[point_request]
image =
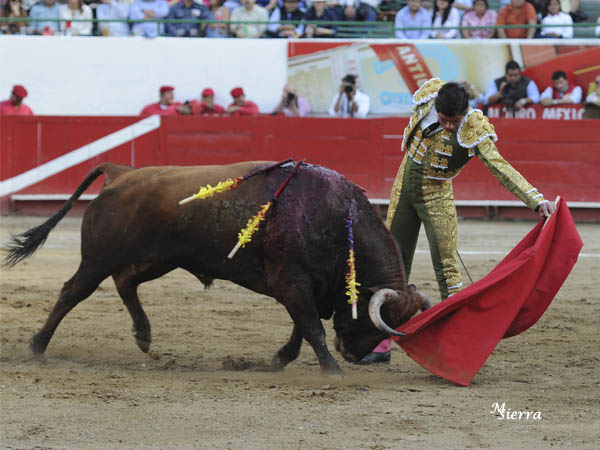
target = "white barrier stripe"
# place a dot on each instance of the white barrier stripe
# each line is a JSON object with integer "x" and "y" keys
{"x": 79, "y": 155}
{"x": 494, "y": 252}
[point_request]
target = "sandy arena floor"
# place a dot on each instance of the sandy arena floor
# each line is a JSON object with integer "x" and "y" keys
{"x": 202, "y": 386}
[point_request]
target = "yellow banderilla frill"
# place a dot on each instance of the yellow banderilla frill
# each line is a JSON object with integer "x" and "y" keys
{"x": 352, "y": 284}
{"x": 245, "y": 236}
{"x": 209, "y": 191}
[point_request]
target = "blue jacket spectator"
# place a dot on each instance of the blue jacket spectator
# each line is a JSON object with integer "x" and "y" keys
{"x": 188, "y": 9}
{"x": 290, "y": 11}
{"x": 113, "y": 9}
{"x": 48, "y": 9}
{"x": 412, "y": 15}
{"x": 148, "y": 9}
{"x": 319, "y": 11}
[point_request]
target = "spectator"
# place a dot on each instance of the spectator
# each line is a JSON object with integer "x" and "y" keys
{"x": 291, "y": 104}
{"x": 14, "y": 106}
{"x": 47, "y": 9}
{"x": 518, "y": 12}
{"x": 113, "y": 9}
{"x": 166, "y": 105}
{"x": 513, "y": 90}
{"x": 360, "y": 10}
{"x": 592, "y": 102}
{"x": 289, "y": 11}
{"x": 555, "y": 16}
{"x": 573, "y": 8}
{"x": 148, "y": 10}
{"x": 412, "y": 15}
{"x": 320, "y": 12}
{"x": 75, "y": 9}
{"x": 207, "y": 107}
{"x": 241, "y": 106}
{"x": 219, "y": 12}
{"x": 269, "y": 5}
{"x": 13, "y": 9}
{"x": 249, "y": 12}
{"x": 445, "y": 15}
{"x": 349, "y": 101}
{"x": 562, "y": 92}
{"x": 480, "y": 16}
{"x": 188, "y": 10}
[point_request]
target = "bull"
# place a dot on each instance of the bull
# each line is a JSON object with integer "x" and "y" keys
{"x": 135, "y": 231}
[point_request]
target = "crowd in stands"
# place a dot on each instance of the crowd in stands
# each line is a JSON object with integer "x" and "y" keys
{"x": 413, "y": 19}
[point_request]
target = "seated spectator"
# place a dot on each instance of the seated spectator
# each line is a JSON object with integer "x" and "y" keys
{"x": 513, "y": 90}
{"x": 249, "y": 12}
{"x": 562, "y": 92}
{"x": 518, "y": 12}
{"x": 47, "y": 9}
{"x": 412, "y": 15}
{"x": 13, "y": 9}
{"x": 554, "y": 16}
{"x": 290, "y": 11}
{"x": 187, "y": 9}
{"x": 360, "y": 10}
{"x": 166, "y": 105}
{"x": 148, "y": 10}
{"x": 75, "y": 9}
{"x": 291, "y": 104}
{"x": 480, "y": 16}
{"x": 319, "y": 11}
{"x": 207, "y": 107}
{"x": 445, "y": 15}
{"x": 241, "y": 106}
{"x": 113, "y": 9}
{"x": 592, "y": 102}
{"x": 349, "y": 101}
{"x": 14, "y": 106}
{"x": 219, "y": 12}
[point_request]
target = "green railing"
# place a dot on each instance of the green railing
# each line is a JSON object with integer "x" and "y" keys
{"x": 345, "y": 29}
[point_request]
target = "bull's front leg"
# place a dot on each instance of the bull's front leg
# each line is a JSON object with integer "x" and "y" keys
{"x": 289, "y": 352}
{"x": 308, "y": 324}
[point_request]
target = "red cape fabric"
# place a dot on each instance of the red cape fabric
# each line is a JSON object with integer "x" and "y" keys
{"x": 454, "y": 338}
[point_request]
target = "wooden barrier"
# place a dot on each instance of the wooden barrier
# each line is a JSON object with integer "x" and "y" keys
{"x": 39, "y": 155}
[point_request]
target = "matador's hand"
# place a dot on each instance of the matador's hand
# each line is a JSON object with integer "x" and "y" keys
{"x": 546, "y": 208}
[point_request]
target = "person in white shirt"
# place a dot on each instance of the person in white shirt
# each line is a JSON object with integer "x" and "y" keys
{"x": 445, "y": 15}
{"x": 412, "y": 15}
{"x": 349, "y": 101}
{"x": 555, "y": 16}
{"x": 562, "y": 92}
{"x": 75, "y": 9}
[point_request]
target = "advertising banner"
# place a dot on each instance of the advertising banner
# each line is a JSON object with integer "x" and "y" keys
{"x": 389, "y": 72}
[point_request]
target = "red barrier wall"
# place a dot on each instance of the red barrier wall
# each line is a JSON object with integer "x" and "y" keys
{"x": 558, "y": 157}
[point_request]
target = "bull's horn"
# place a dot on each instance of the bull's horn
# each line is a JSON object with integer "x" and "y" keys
{"x": 377, "y": 300}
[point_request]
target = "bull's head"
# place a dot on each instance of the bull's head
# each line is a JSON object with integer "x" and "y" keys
{"x": 377, "y": 320}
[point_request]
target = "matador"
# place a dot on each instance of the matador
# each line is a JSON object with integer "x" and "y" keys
{"x": 442, "y": 136}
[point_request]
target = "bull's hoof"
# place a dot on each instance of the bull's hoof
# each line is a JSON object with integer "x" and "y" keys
{"x": 277, "y": 363}
{"x": 142, "y": 344}
{"x": 37, "y": 348}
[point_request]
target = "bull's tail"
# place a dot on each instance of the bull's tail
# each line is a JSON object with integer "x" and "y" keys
{"x": 23, "y": 245}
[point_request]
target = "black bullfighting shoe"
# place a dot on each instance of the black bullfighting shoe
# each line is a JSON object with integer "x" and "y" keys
{"x": 374, "y": 358}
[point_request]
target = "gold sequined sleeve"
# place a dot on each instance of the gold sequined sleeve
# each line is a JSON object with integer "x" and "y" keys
{"x": 506, "y": 174}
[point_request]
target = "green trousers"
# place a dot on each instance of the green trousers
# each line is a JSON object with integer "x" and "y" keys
{"x": 429, "y": 202}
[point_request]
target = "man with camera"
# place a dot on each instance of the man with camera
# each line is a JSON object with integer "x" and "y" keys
{"x": 291, "y": 105}
{"x": 513, "y": 90}
{"x": 349, "y": 101}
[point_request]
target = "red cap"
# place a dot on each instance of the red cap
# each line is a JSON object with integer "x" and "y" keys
{"x": 208, "y": 91}
{"x": 19, "y": 91}
{"x": 164, "y": 89}
{"x": 236, "y": 92}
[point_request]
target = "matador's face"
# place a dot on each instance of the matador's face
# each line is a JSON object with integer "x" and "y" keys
{"x": 450, "y": 123}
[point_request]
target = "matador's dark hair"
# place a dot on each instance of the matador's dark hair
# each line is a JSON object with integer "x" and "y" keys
{"x": 452, "y": 100}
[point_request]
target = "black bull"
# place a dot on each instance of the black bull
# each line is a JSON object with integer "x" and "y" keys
{"x": 135, "y": 231}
